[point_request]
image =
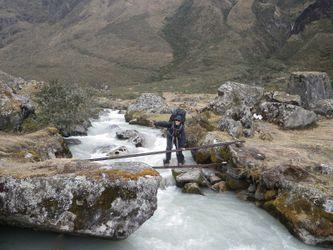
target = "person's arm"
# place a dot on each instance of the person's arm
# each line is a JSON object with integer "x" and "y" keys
{"x": 163, "y": 124}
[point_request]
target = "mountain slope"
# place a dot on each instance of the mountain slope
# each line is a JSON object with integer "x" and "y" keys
{"x": 165, "y": 44}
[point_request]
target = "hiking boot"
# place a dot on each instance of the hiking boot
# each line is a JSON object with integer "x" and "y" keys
{"x": 166, "y": 163}
{"x": 180, "y": 164}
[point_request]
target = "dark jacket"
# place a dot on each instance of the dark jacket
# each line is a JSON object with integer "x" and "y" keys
{"x": 174, "y": 131}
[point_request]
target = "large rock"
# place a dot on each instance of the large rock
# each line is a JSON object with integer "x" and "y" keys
{"x": 283, "y": 97}
{"x": 13, "y": 109}
{"x": 287, "y": 116}
{"x": 232, "y": 94}
{"x": 78, "y": 197}
{"x": 311, "y": 86}
{"x": 302, "y": 204}
{"x": 184, "y": 176}
{"x": 149, "y": 102}
{"x": 133, "y": 135}
{"x": 323, "y": 107}
{"x": 211, "y": 155}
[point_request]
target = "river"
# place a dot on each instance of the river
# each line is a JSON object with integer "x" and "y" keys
{"x": 182, "y": 221}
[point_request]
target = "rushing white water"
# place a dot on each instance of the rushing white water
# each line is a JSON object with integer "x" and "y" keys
{"x": 182, "y": 221}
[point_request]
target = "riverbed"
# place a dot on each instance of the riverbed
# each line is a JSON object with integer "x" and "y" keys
{"x": 182, "y": 221}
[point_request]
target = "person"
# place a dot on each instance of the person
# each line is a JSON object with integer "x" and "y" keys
{"x": 176, "y": 136}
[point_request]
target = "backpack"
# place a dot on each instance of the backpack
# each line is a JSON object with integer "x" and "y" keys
{"x": 178, "y": 112}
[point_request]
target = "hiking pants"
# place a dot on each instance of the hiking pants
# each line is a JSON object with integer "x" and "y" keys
{"x": 170, "y": 142}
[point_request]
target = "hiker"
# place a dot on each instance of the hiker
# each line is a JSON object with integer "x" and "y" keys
{"x": 175, "y": 135}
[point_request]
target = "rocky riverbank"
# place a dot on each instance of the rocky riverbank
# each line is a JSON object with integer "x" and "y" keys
{"x": 42, "y": 190}
{"x": 285, "y": 165}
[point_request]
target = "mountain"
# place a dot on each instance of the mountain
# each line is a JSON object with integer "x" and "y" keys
{"x": 165, "y": 43}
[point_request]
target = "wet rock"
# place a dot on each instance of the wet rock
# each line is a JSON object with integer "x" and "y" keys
{"x": 287, "y": 116}
{"x": 214, "y": 179}
{"x": 283, "y": 97}
{"x": 133, "y": 135}
{"x": 323, "y": 107}
{"x": 77, "y": 197}
{"x": 121, "y": 150}
{"x": 14, "y": 109}
{"x": 311, "y": 86}
{"x": 72, "y": 141}
{"x": 184, "y": 176}
{"x": 220, "y": 186}
{"x": 76, "y": 129}
{"x": 232, "y": 94}
{"x": 192, "y": 188}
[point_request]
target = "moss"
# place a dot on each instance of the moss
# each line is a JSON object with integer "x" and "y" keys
{"x": 86, "y": 214}
{"x": 116, "y": 173}
{"x": 297, "y": 213}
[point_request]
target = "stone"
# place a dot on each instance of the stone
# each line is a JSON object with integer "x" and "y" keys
{"x": 133, "y": 135}
{"x": 151, "y": 103}
{"x": 14, "y": 109}
{"x": 232, "y": 94}
{"x": 283, "y": 97}
{"x": 126, "y": 134}
{"x": 323, "y": 107}
{"x": 72, "y": 141}
{"x": 121, "y": 150}
{"x": 234, "y": 128}
{"x": 78, "y": 197}
{"x": 214, "y": 179}
{"x": 287, "y": 116}
{"x": 311, "y": 86}
{"x": 211, "y": 155}
{"x": 187, "y": 176}
{"x": 192, "y": 188}
{"x": 294, "y": 117}
{"x": 220, "y": 186}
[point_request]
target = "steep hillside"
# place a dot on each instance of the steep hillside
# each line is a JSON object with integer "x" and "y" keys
{"x": 165, "y": 44}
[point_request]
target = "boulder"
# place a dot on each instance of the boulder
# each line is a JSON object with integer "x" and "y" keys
{"x": 323, "y": 107}
{"x": 283, "y": 97}
{"x": 238, "y": 121}
{"x": 287, "y": 116}
{"x": 13, "y": 109}
{"x": 78, "y": 197}
{"x": 121, "y": 150}
{"x": 211, "y": 155}
{"x": 134, "y": 136}
{"x": 232, "y": 94}
{"x": 183, "y": 176}
{"x": 302, "y": 203}
{"x": 220, "y": 186}
{"x": 234, "y": 128}
{"x": 192, "y": 188}
{"x": 126, "y": 134}
{"x": 311, "y": 86}
{"x": 72, "y": 141}
{"x": 149, "y": 103}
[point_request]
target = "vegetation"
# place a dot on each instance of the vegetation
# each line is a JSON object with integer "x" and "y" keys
{"x": 61, "y": 105}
